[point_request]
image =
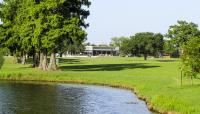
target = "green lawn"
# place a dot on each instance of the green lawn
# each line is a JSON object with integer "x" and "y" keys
{"x": 156, "y": 80}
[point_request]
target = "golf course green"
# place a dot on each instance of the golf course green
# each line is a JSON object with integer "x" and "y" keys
{"x": 157, "y": 81}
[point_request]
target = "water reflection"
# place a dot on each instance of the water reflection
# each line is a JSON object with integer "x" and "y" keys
{"x": 24, "y": 98}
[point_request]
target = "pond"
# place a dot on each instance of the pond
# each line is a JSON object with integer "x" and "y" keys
{"x": 45, "y": 98}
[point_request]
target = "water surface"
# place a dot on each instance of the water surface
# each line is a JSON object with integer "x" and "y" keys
{"x": 32, "y": 98}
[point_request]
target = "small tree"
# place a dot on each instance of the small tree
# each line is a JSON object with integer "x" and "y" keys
{"x": 126, "y": 47}
{"x": 191, "y": 58}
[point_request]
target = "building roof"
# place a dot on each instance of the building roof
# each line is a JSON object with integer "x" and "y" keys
{"x": 101, "y": 48}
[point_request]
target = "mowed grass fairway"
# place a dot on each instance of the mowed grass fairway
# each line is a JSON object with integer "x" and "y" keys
{"x": 157, "y": 80}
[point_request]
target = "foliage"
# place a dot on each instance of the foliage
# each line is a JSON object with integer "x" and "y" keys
{"x": 145, "y": 43}
{"x": 158, "y": 44}
{"x": 126, "y": 47}
{"x": 45, "y": 27}
{"x": 117, "y": 41}
{"x": 9, "y": 36}
{"x": 184, "y": 39}
{"x": 1, "y": 59}
{"x": 148, "y": 43}
{"x": 191, "y": 57}
{"x": 124, "y": 44}
{"x": 169, "y": 48}
{"x": 181, "y": 32}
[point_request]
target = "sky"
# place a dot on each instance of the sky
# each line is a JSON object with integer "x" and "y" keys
{"x": 115, "y": 18}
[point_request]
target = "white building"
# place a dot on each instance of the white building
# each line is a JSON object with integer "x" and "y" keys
{"x": 101, "y": 51}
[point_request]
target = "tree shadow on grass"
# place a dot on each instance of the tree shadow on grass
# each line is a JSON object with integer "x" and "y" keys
{"x": 61, "y": 61}
{"x": 166, "y": 60}
{"x": 69, "y": 61}
{"x": 26, "y": 67}
{"x": 106, "y": 67}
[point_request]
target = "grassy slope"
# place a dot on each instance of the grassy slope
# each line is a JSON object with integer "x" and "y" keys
{"x": 156, "y": 80}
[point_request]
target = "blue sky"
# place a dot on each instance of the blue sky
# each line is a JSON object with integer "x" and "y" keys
{"x": 114, "y": 18}
{"x": 110, "y": 18}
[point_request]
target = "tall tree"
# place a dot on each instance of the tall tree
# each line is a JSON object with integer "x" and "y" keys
{"x": 58, "y": 26}
{"x": 148, "y": 43}
{"x": 9, "y": 36}
{"x": 25, "y": 27}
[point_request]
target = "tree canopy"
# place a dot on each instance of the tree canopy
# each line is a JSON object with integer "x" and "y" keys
{"x": 124, "y": 44}
{"x": 43, "y": 28}
{"x": 148, "y": 43}
{"x": 117, "y": 41}
{"x": 144, "y": 43}
{"x": 181, "y": 32}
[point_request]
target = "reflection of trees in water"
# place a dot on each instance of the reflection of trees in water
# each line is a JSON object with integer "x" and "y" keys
{"x": 40, "y": 99}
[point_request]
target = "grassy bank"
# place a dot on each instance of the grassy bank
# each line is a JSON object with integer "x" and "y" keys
{"x": 156, "y": 80}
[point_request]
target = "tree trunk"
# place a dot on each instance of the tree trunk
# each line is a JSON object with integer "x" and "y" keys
{"x": 181, "y": 76}
{"x": 52, "y": 64}
{"x": 23, "y": 58}
{"x": 61, "y": 54}
{"x": 45, "y": 62}
{"x": 191, "y": 77}
{"x": 35, "y": 60}
{"x": 145, "y": 57}
{"x": 15, "y": 60}
{"x": 41, "y": 60}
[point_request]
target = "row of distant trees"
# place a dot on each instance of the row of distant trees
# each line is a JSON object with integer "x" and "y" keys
{"x": 145, "y": 43}
{"x": 155, "y": 44}
{"x": 41, "y": 28}
{"x": 181, "y": 40}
